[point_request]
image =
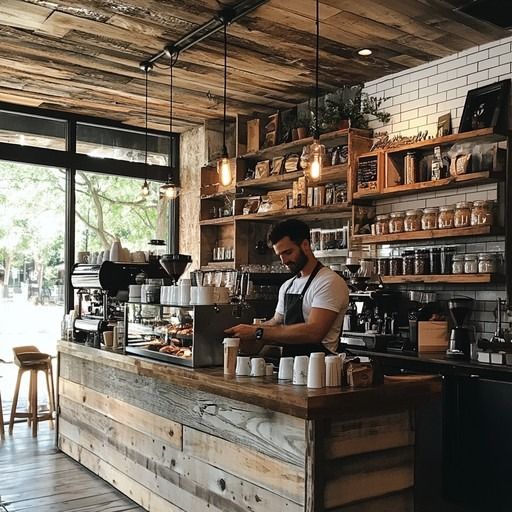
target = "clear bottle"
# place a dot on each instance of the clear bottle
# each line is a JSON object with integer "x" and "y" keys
{"x": 437, "y": 164}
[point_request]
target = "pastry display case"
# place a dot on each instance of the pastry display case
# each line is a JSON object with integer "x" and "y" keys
{"x": 185, "y": 335}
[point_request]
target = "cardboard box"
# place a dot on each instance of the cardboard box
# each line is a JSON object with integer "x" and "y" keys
{"x": 432, "y": 336}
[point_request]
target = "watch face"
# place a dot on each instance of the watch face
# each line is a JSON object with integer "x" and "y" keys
{"x": 259, "y": 333}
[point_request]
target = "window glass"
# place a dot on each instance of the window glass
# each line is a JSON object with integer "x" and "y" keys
{"x": 31, "y": 130}
{"x": 105, "y": 142}
{"x": 110, "y": 207}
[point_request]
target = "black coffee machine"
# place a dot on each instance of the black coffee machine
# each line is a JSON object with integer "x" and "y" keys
{"x": 461, "y": 337}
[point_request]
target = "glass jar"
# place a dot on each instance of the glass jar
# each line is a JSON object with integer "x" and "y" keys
{"x": 383, "y": 266}
{"x": 470, "y": 264}
{"x": 429, "y": 218}
{"x": 447, "y": 259}
{"x": 412, "y": 221}
{"x": 382, "y": 225}
{"x": 458, "y": 264}
{"x": 408, "y": 263}
{"x": 463, "y": 214}
{"x": 367, "y": 268}
{"x": 410, "y": 168}
{"x": 482, "y": 213}
{"x": 421, "y": 262}
{"x": 316, "y": 236}
{"x": 395, "y": 266}
{"x": 156, "y": 249}
{"x": 486, "y": 263}
{"x": 446, "y": 217}
{"x": 396, "y": 222}
{"x": 435, "y": 260}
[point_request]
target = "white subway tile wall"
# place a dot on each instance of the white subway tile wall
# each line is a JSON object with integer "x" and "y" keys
{"x": 417, "y": 97}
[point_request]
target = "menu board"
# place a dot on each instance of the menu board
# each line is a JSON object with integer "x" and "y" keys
{"x": 367, "y": 173}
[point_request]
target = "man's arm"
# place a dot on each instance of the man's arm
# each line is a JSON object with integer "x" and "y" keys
{"x": 313, "y": 331}
{"x": 277, "y": 319}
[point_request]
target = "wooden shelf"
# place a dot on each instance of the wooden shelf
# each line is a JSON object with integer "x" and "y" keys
{"x": 221, "y": 221}
{"x": 281, "y": 149}
{"x": 219, "y": 265}
{"x": 451, "y": 278}
{"x": 331, "y": 253}
{"x": 342, "y": 210}
{"x": 426, "y": 235}
{"x": 219, "y": 195}
{"x": 482, "y": 135}
{"x": 331, "y": 174}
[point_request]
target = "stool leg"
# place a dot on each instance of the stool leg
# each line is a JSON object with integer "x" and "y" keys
{"x": 34, "y": 404}
{"x": 15, "y": 400}
{"x": 2, "y": 430}
{"x": 30, "y": 392}
{"x": 50, "y": 396}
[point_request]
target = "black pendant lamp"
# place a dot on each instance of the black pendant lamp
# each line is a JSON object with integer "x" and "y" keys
{"x": 223, "y": 166}
{"x": 170, "y": 190}
{"x": 316, "y": 150}
{"x": 146, "y": 67}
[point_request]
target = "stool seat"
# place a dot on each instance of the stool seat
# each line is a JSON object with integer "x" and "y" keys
{"x": 30, "y": 358}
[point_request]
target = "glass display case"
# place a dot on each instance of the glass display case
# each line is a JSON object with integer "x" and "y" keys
{"x": 186, "y": 335}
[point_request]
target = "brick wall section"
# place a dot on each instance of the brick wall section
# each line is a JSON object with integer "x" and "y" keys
{"x": 417, "y": 97}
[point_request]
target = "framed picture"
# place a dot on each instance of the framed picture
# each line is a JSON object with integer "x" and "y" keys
{"x": 486, "y": 107}
{"x": 444, "y": 125}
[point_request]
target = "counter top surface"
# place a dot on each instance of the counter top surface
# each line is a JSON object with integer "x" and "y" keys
{"x": 267, "y": 392}
{"x": 438, "y": 361}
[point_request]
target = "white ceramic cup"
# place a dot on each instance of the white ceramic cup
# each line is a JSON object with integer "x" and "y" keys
{"x": 316, "y": 370}
{"x": 258, "y": 367}
{"x": 165, "y": 295}
{"x": 83, "y": 257}
{"x": 285, "y": 368}
{"x": 193, "y": 295}
{"x": 184, "y": 293}
{"x": 230, "y": 355}
{"x": 138, "y": 257}
{"x": 108, "y": 338}
{"x": 332, "y": 371}
{"x": 174, "y": 295}
{"x": 243, "y": 365}
{"x": 205, "y": 295}
{"x": 134, "y": 292}
{"x": 300, "y": 370}
{"x": 269, "y": 369}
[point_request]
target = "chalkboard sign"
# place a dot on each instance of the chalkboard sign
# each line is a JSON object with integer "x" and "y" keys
{"x": 367, "y": 173}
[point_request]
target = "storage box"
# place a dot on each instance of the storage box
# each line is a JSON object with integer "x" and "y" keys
{"x": 432, "y": 336}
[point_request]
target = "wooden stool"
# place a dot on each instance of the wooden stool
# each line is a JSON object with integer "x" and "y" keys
{"x": 2, "y": 430}
{"x": 30, "y": 359}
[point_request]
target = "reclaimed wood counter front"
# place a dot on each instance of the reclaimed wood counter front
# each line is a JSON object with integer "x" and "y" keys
{"x": 177, "y": 439}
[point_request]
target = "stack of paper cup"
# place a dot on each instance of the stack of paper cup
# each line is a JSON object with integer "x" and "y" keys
{"x": 184, "y": 292}
{"x": 300, "y": 370}
{"x": 285, "y": 368}
{"x": 230, "y": 353}
{"x": 316, "y": 370}
{"x": 332, "y": 371}
{"x": 134, "y": 293}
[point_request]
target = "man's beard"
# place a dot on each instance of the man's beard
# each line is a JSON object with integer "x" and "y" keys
{"x": 298, "y": 265}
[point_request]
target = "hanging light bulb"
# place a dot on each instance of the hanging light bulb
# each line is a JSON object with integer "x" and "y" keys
{"x": 146, "y": 67}
{"x": 316, "y": 150}
{"x": 169, "y": 189}
{"x": 223, "y": 165}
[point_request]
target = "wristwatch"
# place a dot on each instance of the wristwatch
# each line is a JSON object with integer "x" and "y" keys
{"x": 259, "y": 333}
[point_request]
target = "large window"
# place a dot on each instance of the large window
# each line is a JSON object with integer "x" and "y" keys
{"x": 111, "y": 207}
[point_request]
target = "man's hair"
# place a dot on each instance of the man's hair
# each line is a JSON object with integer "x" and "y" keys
{"x": 296, "y": 230}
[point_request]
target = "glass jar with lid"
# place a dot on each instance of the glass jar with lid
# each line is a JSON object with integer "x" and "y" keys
{"x": 382, "y": 224}
{"x": 383, "y": 266}
{"x": 462, "y": 218}
{"x": 156, "y": 249}
{"x": 421, "y": 262}
{"x": 367, "y": 267}
{"x": 482, "y": 213}
{"x": 396, "y": 222}
{"x": 447, "y": 259}
{"x": 395, "y": 266}
{"x": 446, "y": 217}
{"x": 408, "y": 263}
{"x": 486, "y": 263}
{"x": 470, "y": 264}
{"x": 458, "y": 264}
{"x": 412, "y": 221}
{"x": 435, "y": 260}
{"x": 429, "y": 218}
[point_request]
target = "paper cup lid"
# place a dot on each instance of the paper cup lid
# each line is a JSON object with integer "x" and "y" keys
{"x": 231, "y": 342}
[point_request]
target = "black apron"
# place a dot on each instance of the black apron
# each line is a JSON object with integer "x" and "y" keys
{"x": 293, "y": 315}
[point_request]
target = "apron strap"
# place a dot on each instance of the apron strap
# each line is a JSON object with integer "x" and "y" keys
{"x": 311, "y": 277}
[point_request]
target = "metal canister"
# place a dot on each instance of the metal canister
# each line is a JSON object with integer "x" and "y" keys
{"x": 410, "y": 168}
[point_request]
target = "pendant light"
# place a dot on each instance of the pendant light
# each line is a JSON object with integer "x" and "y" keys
{"x": 146, "y": 67}
{"x": 169, "y": 189}
{"x": 223, "y": 165}
{"x": 316, "y": 150}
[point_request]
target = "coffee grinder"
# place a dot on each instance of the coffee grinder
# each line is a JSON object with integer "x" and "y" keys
{"x": 461, "y": 337}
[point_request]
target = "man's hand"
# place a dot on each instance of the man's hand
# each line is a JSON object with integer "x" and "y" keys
{"x": 247, "y": 334}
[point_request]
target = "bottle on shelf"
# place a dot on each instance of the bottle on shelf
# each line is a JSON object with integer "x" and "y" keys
{"x": 437, "y": 164}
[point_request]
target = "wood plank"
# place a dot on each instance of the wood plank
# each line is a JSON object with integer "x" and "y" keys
{"x": 311, "y": 213}
{"x": 452, "y": 278}
{"x": 280, "y": 477}
{"x": 364, "y": 435}
{"x": 401, "y": 501}
{"x": 134, "y": 417}
{"x": 360, "y": 477}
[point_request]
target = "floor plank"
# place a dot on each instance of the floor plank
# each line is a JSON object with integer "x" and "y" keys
{"x": 34, "y": 475}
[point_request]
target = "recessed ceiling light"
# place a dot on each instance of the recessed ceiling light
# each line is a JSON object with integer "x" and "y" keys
{"x": 365, "y": 52}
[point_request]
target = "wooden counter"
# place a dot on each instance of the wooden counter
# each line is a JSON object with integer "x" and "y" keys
{"x": 178, "y": 439}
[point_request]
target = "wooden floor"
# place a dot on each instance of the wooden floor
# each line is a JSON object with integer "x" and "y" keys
{"x": 35, "y": 476}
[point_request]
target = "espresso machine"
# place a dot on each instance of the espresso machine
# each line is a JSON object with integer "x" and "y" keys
{"x": 461, "y": 337}
{"x": 101, "y": 291}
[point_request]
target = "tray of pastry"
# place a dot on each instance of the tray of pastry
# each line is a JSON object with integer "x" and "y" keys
{"x": 175, "y": 351}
